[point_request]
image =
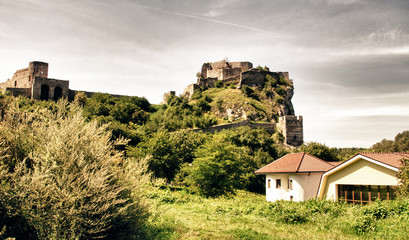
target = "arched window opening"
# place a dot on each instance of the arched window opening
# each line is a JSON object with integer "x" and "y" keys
{"x": 45, "y": 89}
{"x": 57, "y": 93}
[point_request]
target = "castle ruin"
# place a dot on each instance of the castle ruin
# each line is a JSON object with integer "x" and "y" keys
{"x": 237, "y": 73}
{"x": 33, "y": 82}
{"x": 243, "y": 73}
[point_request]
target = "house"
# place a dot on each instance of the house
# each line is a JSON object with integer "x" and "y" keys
{"x": 363, "y": 178}
{"x": 294, "y": 177}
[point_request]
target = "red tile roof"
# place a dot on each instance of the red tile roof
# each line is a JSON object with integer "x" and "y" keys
{"x": 296, "y": 162}
{"x": 392, "y": 159}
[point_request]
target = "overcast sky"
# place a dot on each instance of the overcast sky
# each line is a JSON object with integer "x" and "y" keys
{"x": 349, "y": 59}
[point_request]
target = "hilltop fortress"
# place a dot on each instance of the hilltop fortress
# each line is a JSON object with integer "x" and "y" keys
{"x": 238, "y": 74}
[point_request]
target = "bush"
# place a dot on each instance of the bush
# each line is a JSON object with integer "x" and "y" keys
{"x": 63, "y": 179}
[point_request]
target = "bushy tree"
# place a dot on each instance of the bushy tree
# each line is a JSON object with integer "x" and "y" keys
{"x": 217, "y": 168}
{"x": 399, "y": 144}
{"x": 61, "y": 178}
{"x": 319, "y": 150}
{"x": 167, "y": 151}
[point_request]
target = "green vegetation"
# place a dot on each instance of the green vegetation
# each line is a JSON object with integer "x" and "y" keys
{"x": 61, "y": 177}
{"x": 400, "y": 144}
{"x": 180, "y": 215}
{"x": 329, "y": 154}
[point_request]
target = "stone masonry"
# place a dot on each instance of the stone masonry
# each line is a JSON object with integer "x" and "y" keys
{"x": 292, "y": 129}
{"x": 33, "y": 82}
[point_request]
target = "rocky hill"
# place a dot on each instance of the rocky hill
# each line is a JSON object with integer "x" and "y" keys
{"x": 238, "y": 92}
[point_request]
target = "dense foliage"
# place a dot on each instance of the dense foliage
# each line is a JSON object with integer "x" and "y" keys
{"x": 399, "y": 144}
{"x": 61, "y": 178}
{"x": 329, "y": 154}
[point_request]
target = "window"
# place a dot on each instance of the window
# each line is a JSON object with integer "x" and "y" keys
{"x": 278, "y": 183}
{"x": 269, "y": 183}
{"x": 290, "y": 185}
{"x": 291, "y": 198}
{"x": 363, "y": 194}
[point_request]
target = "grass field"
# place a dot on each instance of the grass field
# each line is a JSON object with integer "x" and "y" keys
{"x": 177, "y": 214}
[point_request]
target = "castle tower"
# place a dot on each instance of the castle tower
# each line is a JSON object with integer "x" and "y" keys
{"x": 292, "y": 129}
{"x": 38, "y": 69}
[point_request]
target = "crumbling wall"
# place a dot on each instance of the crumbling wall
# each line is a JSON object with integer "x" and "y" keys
{"x": 222, "y": 70}
{"x": 189, "y": 90}
{"x": 24, "y": 78}
{"x": 49, "y": 89}
{"x": 26, "y": 92}
{"x": 292, "y": 129}
{"x": 270, "y": 127}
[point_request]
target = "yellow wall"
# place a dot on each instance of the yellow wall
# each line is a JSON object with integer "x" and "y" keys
{"x": 361, "y": 172}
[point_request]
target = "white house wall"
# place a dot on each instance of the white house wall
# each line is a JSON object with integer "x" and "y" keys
{"x": 307, "y": 185}
{"x": 304, "y": 186}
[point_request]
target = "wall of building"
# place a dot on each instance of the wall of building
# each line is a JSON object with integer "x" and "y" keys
{"x": 361, "y": 172}
{"x": 24, "y": 78}
{"x": 307, "y": 185}
{"x": 304, "y": 186}
{"x": 273, "y": 194}
{"x": 223, "y": 70}
{"x": 52, "y": 84}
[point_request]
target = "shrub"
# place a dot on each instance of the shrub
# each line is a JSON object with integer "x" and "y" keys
{"x": 64, "y": 180}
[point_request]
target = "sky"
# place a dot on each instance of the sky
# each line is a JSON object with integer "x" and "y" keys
{"x": 349, "y": 59}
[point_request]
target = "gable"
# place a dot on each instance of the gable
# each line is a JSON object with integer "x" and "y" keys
{"x": 363, "y": 172}
{"x": 374, "y": 169}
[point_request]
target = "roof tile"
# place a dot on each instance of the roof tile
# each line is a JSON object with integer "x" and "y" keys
{"x": 296, "y": 162}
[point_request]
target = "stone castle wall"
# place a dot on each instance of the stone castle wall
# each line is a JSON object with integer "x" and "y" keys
{"x": 223, "y": 69}
{"x": 47, "y": 89}
{"x": 292, "y": 129}
{"x": 270, "y": 127}
{"x": 34, "y": 82}
{"x": 24, "y": 78}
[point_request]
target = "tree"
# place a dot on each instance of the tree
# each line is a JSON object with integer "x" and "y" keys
{"x": 167, "y": 151}
{"x": 217, "y": 169}
{"x": 384, "y": 146}
{"x": 319, "y": 150}
{"x": 402, "y": 189}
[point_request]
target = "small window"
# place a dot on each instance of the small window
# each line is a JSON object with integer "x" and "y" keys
{"x": 269, "y": 183}
{"x": 278, "y": 183}
{"x": 291, "y": 198}
{"x": 291, "y": 184}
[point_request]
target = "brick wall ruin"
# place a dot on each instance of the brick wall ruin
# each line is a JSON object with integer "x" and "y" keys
{"x": 223, "y": 70}
{"x": 269, "y": 127}
{"x": 292, "y": 129}
{"x": 33, "y": 82}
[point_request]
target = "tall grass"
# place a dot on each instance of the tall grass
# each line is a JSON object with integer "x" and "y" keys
{"x": 248, "y": 216}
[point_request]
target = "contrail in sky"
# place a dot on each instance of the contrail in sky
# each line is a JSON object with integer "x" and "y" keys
{"x": 207, "y": 19}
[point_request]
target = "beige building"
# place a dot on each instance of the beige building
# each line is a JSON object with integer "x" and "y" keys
{"x": 363, "y": 178}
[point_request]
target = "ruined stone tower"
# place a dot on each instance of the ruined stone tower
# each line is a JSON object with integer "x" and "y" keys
{"x": 292, "y": 129}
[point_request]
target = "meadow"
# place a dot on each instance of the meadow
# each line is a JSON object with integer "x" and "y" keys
{"x": 177, "y": 214}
